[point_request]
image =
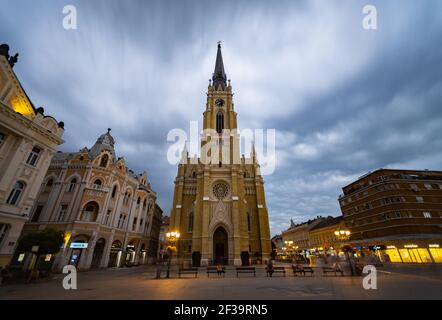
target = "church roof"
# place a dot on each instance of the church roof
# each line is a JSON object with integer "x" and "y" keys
{"x": 219, "y": 76}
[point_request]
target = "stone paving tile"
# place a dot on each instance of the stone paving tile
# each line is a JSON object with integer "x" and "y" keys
{"x": 139, "y": 283}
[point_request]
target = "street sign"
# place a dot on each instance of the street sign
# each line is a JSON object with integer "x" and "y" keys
{"x": 78, "y": 245}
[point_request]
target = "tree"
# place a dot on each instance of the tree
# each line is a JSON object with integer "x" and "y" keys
{"x": 49, "y": 241}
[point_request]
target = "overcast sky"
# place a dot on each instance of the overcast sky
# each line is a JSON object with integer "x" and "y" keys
{"x": 344, "y": 100}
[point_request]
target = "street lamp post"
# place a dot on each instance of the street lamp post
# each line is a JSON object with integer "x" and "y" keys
{"x": 172, "y": 238}
{"x": 344, "y": 235}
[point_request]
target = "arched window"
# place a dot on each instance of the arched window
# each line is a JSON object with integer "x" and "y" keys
{"x": 90, "y": 212}
{"x": 190, "y": 222}
{"x": 114, "y": 191}
{"x": 97, "y": 184}
{"x": 138, "y": 201}
{"x": 144, "y": 204}
{"x": 16, "y": 192}
{"x": 249, "y": 222}
{"x": 104, "y": 161}
{"x": 219, "y": 122}
{"x": 126, "y": 197}
{"x": 72, "y": 185}
{"x": 48, "y": 185}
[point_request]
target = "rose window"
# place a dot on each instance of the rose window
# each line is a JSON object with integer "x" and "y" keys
{"x": 220, "y": 190}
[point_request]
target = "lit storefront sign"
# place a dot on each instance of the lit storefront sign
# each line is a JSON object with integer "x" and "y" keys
{"x": 78, "y": 245}
{"x": 377, "y": 247}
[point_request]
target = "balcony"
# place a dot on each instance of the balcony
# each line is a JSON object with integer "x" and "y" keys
{"x": 96, "y": 190}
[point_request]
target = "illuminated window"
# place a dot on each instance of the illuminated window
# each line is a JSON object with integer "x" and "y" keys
{"x": 33, "y": 156}
{"x": 428, "y": 186}
{"x": 436, "y": 253}
{"x": 427, "y": 215}
{"x": 414, "y": 255}
{"x": 16, "y": 192}
{"x": 424, "y": 255}
{"x": 420, "y": 199}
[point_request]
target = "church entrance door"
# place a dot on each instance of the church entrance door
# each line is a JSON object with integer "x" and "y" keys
{"x": 220, "y": 246}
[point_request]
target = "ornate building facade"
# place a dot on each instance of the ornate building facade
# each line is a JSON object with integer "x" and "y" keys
{"x": 28, "y": 140}
{"x": 219, "y": 206}
{"x": 108, "y": 214}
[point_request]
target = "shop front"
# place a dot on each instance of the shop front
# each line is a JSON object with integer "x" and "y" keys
{"x": 414, "y": 253}
{"x": 129, "y": 257}
{"x": 401, "y": 251}
{"x": 77, "y": 248}
{"x": 115, "y": 254}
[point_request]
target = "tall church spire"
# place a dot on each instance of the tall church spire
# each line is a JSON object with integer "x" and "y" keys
{"x": 219, "y": 76}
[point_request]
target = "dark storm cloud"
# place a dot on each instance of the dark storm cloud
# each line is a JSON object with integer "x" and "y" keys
{"x": 343, "y": 100}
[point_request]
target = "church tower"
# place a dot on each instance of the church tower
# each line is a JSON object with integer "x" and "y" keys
{"x": 219, "y": 205}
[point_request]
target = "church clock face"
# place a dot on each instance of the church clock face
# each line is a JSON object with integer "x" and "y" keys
{"x": 219, "y": 102}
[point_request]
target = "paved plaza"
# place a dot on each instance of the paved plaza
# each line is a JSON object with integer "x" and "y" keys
{"x": 415, "y": 282}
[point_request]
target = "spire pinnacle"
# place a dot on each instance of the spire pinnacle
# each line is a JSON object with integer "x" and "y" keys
{"x": 219, "y": 76}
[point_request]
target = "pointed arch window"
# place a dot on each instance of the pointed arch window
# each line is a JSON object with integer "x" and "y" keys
{"x": 249, "y": 222}
{"x": 104, "y": 161}
{"x": 190, "y": 222}
{"x": 72, "y": 185}
{"x": 219, "y": 122}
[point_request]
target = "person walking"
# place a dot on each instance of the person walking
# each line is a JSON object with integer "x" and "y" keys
{"x": 270, "y": 268}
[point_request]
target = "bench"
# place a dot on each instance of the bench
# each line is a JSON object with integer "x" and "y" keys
{"x": 245, "y": 270}
{"x": 332, "y": 269}
{"x": 302, "y": 270}
{"x": 275, "y": 270}
{"x": 215, "y": 270}
{"x": 187, "y": 271}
